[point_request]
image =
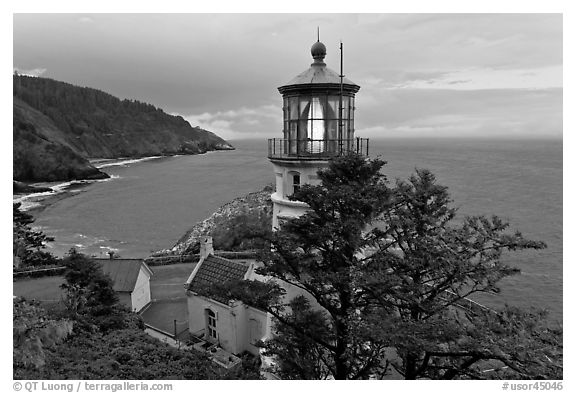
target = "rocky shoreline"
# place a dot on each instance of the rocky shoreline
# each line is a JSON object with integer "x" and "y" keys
{"x": 238, "y": 225}
{"x": 23, "y": 188}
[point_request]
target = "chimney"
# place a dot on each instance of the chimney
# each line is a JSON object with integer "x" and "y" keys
{"x": 206, "y": 247}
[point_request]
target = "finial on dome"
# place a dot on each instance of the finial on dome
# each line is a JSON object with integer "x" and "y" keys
{"x": 318, "y": 51}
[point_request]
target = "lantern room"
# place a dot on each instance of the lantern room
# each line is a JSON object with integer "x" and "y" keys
{"x": 318, "y": 121}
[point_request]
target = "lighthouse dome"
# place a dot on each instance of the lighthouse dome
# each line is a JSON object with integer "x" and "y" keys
{"x": 319, "y": 75}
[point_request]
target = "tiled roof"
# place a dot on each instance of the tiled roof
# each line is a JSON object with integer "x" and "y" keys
{"x": 216, "y": 270}
{"x": 123, "y": 272}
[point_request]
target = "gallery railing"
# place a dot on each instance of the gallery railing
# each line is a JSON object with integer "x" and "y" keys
{"x": 316, "y": 148}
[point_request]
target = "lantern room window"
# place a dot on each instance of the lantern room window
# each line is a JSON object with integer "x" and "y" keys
{"x": 311, "y": 122}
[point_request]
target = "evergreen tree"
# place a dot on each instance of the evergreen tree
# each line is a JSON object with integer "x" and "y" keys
{"x": 381, "y": 272}
{"x": 28, "y": 244}
{"x": 34, "y": 332}
{"x": 318, "y": 254}
{"x": 90, "y": 297}
{"x": 95, "y": 338}
{"x": 422, "y": 272}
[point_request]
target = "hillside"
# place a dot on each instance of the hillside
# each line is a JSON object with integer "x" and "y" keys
{"x": 39, "y": 155}
{"x": 57, "y": 127}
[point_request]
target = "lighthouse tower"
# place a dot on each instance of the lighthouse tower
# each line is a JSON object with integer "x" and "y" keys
{"x": 318, "y": 126}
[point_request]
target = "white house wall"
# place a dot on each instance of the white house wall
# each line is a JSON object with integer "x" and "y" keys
{"x": 232, "y": 323}
{"x": 225, "y": 321}
{"x": 141, "y": 294}
{"x": 291, "y": 291}
{"x": 264, "y": 332}
{"x": 240, "y": 328}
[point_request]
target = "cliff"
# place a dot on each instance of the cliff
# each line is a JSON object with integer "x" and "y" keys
{"x": 235, "y": 226}
{"x": 58, "y": 126}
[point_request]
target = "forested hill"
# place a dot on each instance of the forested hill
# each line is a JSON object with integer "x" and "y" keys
{"x": 58, "y": 126}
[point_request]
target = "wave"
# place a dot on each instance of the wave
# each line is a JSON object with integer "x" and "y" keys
{"x": 112, "y": 177}
{"x": 27, "y": 205}
{"x": 86, "y": 243}
{"x": 122, "y": 161}
{"x": 109, "y": 248}
{"x": 32, "y": 201}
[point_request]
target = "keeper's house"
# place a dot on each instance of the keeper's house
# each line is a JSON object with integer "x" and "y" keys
{"x": 131, "y": 279}
{"x": 228, "y": 323}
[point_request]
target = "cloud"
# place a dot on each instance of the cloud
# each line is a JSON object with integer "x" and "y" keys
{"x": 414, "y": 112}
{"x": 489, "y": 78}
{"x": 454, "y": 41}
{"x": 472, "y": 78}
{"x": 32, "y": 72}
{"x": 419, "y": 73}
{"x": 411, "y": 112}
{"x": 460, "y": 113}
{"x": 259, "y": 122}
{"x": 398, "y": 78}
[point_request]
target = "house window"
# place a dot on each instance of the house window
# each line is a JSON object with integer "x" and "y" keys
{"x": 211, "y": 319}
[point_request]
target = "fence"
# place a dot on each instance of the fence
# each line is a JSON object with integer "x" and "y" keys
{"x": 465, "y": 303}
{"x": 171, "y": 259}
{"x": 180, "y": 328}
{"x": 193, "y": 258}
{"x": 316, "y": 148}
{"x": 35, "y": 273}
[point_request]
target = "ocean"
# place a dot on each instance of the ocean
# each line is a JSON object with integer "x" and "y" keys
{"x": 149, "y": 204}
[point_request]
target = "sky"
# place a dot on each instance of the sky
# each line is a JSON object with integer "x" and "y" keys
{"x": 421, "y": 75}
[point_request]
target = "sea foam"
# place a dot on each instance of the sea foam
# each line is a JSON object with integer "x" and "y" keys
{"x": 125, "y": 162}
{"x": 31, "y": 201}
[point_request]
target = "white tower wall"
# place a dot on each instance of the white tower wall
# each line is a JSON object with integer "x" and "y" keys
{"x": 284, "y": 171}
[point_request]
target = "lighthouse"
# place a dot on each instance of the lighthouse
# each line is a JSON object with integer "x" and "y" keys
{"x": 318, "y": 107}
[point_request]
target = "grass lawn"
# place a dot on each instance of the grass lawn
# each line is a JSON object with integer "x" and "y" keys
{"x": 162, "y": 313}
{"x": 168, "y": 281}
{"x": 168, "y": 297}
{"x": 42, "y": 288}
{"x": 166, "y": 287}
